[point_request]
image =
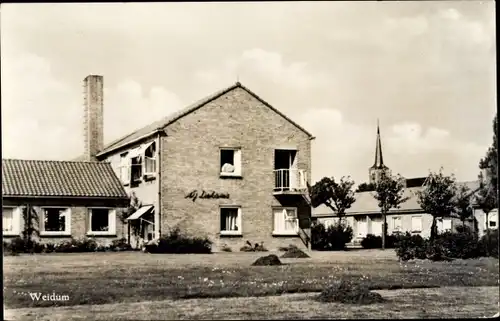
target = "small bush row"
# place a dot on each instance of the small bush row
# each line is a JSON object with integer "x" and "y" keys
{"x": 20, "y": 245}
{"x": 447, "y": 246}
{"x": 375, "y": 242}
{"x": 248, "y": 247}
{"x": 333, "y": 238}
{"x": 178, "y": 243}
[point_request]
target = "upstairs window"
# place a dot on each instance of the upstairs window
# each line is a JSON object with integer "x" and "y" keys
{"x": 230, "y": 162}
{"x": 125, "y": 168}
{"x": 136, "y": 170}
{"x": 150, "y": 160}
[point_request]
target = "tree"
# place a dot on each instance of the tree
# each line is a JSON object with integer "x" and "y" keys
{"x": 365, "y": 187}
{"x": 486, "y": 200}
{"x": 463, "y": 204}
{"x": 389, "y": 194}
{"x": 438, "y": 197}
{"x": 337, "y": 196}
{"x": 489, "y": 164}
{"x": 30, "y": 230}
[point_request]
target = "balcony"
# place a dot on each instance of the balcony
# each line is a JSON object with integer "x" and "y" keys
{"x": 290, "y": 181}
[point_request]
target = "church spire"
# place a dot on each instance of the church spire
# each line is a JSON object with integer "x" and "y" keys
{"x": 379, "y": 160}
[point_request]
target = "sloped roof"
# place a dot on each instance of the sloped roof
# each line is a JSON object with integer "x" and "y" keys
{"x": 40, "y": 178}
{"x": 367, "y": 204}
{"x": 159, "y": 125}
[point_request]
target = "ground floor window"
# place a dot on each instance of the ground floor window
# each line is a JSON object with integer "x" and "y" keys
{"x": 285, "y": 221}
{"x": 102, "y": 221}
{"x": 416, "y": 224}
{"x": 56, "y": 220}
{"x": 397, "y": 224}
{"x": 444, "y": 224}
{"x": 11, "y": 220}
{"x": 230, "y": 220}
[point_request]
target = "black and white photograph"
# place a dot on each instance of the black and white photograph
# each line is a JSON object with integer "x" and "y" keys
{"x": 249, "y": 160}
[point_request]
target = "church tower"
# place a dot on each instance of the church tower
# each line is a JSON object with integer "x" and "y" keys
{"x": 378, "y": 170}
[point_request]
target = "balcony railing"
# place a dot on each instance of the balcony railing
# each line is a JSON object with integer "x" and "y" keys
{"x": 290, "y": 180}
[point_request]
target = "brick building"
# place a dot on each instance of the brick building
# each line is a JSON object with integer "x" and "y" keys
{"x": 70, "y": 199}
{"x": 230, "y": 167}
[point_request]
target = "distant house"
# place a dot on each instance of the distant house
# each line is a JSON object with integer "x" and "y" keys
{"x": 71, "y": 199}
{"x": 230, "y": 167}
{"x": 364, "y": 216}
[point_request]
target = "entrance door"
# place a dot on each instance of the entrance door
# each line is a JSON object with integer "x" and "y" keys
{"x": 285, "y": 166}
{"x": 362, "y": 226}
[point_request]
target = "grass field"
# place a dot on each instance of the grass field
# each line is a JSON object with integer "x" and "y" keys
{"x": 449, "y": 302}
{"x": 111, "y": 278}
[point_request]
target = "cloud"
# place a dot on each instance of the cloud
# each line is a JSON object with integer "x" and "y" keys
{"x": 42, "y": 117}
{"x": 127, "y": 107}
{"x": 344, "y": 148}
{"x": 259, "y": 65}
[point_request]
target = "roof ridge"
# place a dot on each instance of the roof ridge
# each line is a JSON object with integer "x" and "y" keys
{"x": 52, "y": 161}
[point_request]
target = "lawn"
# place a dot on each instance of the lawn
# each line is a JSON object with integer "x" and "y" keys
{"x": 110, "y": 278}
{"x": 449, "y": 302}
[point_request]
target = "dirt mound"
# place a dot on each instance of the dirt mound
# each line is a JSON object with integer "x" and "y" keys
{"x": 267, "y": 260}
{"x": 295, "y": 253}
{"x": 349, "y": 292}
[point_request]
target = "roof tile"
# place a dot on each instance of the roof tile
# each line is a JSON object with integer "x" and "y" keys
{"x": 59, "y": 178}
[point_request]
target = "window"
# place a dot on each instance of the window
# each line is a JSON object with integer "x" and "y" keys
{"x": 136, "y": 171}
{"x": 285, "y": 221}
{"x": 396, "y": 223}
{"x": 150, "y": 160}
{"x": 230, "y": 162}
{"x": 329, "y": 222}
{"x": 416, "y": 223}
{"x": 493, "y": 224}
{"x": 11, "y": 220}
{"x": 125, "y": 168}
{"x": 56, "y": 221}
{"x": 102, "y": 221}
{"x": 230, "y": 220}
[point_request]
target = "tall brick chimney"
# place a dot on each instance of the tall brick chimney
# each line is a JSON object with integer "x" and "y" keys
{"x": 93, "y": 116}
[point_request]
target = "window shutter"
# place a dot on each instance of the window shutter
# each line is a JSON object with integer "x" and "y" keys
{"x": 67, "y": 212}
{"x": 237, "y": 161}
{"x": 112, "y": 221}
{"x": 17, "y": 215}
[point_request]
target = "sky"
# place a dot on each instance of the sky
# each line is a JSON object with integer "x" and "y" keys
{"x": 425, "y": 69}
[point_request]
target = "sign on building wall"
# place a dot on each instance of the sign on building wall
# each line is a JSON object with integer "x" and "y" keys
{"x": 194, "y": 194}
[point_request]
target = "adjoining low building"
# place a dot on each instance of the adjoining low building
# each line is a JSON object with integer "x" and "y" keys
{"x": 364, "y": 215}
{"x": 70, "y": 199}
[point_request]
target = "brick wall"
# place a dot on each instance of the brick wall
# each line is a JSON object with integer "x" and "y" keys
{"x": 191, "y": 161}
{"x": 93, "y": 116}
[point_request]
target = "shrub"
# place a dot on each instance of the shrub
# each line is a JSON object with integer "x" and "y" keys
{"x": 175, "y": 242}
{"x": 225, "y": 248}
{"x": 76, "y": 245}
{"x": 333, "y": 238}
{"x": 49, "y": 248}
{"x": 295, "y": 253}
{"x": 349, "y": 292}
{"x": 286, "y": 248}
{"x": 256, "y": 248}
{"x": 375, "y": 242}
{"x": 490, "y": 247}
{"x": 119, "y": 245}
{"x": 19, "y": 245}
{"x": 267, "y": 260}
{"x": 410, "y": 247}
